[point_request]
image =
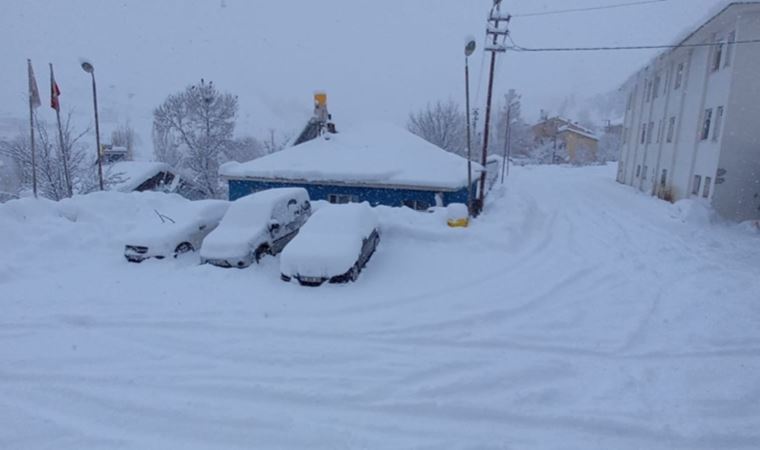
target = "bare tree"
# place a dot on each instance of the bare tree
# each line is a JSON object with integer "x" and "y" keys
{"x": 50, "y": 160}
{"x": 124, "y": 136}
{"x": 193, "y": 129}
{"x": 245, "y": 149}
{"x": 442, "y": 124}
{"x": 520, "y": 133}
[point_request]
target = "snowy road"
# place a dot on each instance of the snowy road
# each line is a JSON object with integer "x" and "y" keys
{"x": 575, "y": 314}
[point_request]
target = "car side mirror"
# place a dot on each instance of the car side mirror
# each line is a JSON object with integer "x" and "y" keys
{"x": 273, "y": 226}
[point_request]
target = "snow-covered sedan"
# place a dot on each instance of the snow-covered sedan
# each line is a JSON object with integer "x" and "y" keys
{"x": 333, "y": 246}
{"x": 171, "y": 232}
{"x": 256, "y": 225}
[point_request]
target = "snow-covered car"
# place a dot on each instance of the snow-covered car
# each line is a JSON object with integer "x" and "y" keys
{"x": 333, "y": 246}
{"x": 180, "y": 229}
{"x": 255, "y": 225}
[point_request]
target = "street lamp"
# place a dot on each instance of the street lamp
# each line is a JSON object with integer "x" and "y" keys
{"x": 469, "y": 49}
{"x": 89, "y": 68}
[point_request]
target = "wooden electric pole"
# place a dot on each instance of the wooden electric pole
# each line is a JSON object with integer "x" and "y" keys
{"x": 494, "y": 34}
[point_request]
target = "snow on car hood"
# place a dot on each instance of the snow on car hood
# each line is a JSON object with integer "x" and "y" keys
{"x": 231, "y": 241}
{"x": 176, "y": 225}
{"x": 330, "y": 242}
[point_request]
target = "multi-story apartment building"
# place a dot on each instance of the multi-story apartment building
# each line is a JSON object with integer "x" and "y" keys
{"x": 692, "y": 123}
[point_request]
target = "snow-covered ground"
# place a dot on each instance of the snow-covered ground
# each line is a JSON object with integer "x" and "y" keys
{"x": 575, "y": 314}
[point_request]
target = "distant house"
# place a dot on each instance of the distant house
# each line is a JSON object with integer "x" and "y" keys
{"x": 691, "y": 125}
{"x": 378, "y": 163}
{"x": 569, "y": 141}
{"x": 129, "y": 176}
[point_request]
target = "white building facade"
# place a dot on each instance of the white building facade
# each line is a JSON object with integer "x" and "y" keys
{"x": 692, "y": 123}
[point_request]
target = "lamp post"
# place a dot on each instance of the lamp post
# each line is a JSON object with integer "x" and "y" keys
{"x": 469, "y": 49}
{"x": 89, "y": 68}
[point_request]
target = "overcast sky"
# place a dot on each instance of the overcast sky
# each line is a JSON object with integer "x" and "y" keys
{"x": 376, "y": 59}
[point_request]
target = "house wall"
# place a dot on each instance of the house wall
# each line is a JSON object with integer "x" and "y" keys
{"x": 577, "y": 144}
{"x": 375, "y": 196}
{"x": 733, "y": 87}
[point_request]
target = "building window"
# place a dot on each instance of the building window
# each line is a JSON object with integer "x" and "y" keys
{"x": 644, "y": 173}
{"x": 660, "y": 130}
{"x": 664, "y": 177}
{"x": 671, "y": 129}
{"x": 706, "y": 191}
{"x": 730, "y": 49}
{"x": 679, "y": 77}
{"x": 718, "y": 123}
{"x": 717, "y": 55}
{"x": 697, "y": 183}
{"x": 340, "y": 199}
{"x": 638, "y": 171}
{"x": 643, "y": 132}
{"x": 656, "y": 86}
{"x": 648, "y": 91}
{"x": 416, "y": 205}
{"x": 706, "y": 124}
{"x": 650, "y": 131}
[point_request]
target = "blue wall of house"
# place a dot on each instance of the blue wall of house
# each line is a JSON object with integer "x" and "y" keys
{"x": 375, "y": 196}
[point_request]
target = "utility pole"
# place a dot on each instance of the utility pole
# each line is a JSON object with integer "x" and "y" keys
{"x": 507, "y": 144}
{"x": 495, "y": 33}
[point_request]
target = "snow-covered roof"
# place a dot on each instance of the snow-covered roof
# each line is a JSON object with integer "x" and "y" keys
{"x": 375, "y": 154}
{"x": 129, "y": 175}
{"x": 577, "y": 130}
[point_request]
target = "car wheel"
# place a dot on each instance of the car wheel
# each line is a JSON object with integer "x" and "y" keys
{"x": 183, "y": 248}
{"x": 260, "y": 252}
{"x": 353, "y": 274}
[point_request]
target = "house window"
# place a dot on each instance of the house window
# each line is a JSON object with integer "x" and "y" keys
{"x": 340, "y": 199}
{"x": 664, "y": 177}
{"x": 730, "y": 49}
{"x": 650, "y": 131}
{"x": 629, "y": 102}
{"x": 706, "y": 124}
{"x": 679, "y": 77}
{"x": 644, "y": 173}
{"x": 671, "y": 129}
{"x": 643, "y": 132}
{"x": 416, "y": 205}
{"x": 718, "y": 123}
{"x": 697, "y": 183}
{"x": 706, "y": 191}
{"x": 717, "y": 55}
{"x": 648, "y": 91}
{"x": 638, "y": 171}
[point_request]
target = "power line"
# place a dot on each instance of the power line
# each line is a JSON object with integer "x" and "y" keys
{"x": 591, "y": 8}
{"x": 626, "y": 47}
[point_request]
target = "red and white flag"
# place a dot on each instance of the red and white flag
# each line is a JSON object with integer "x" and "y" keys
{"x": 55, "y": 92}
{"x": 34, "y": 93}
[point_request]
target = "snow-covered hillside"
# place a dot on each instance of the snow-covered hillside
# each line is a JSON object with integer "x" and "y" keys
{"x": 575, "y": 314}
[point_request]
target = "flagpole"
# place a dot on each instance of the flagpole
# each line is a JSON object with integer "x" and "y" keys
{"x": 64, "y": 155}
{"x": 31, "y": 128}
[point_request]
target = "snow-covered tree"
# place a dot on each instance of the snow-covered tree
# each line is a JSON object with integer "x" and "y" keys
{"x": 442, "y": 124}
{"x": 50, "y": 160}
{"x": 193, "y": 130}
{"x": 125, "y": 136}
{"x": 520, "y": 133}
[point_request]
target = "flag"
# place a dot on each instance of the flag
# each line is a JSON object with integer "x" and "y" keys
{"x": 34, "y": 93}
{"x": 55, "y": 92}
